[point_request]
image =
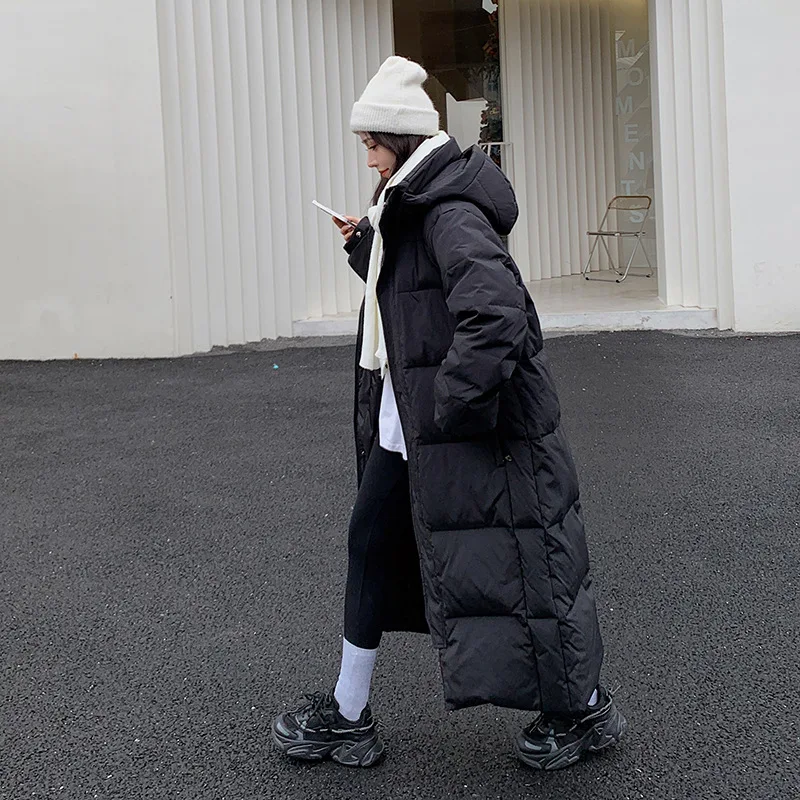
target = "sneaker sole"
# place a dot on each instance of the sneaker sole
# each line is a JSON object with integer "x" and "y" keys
{"x": 604, "y": 734}
{"x": 365, "y": 753}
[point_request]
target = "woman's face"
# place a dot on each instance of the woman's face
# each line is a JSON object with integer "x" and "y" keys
{"x": 378, "y": 156}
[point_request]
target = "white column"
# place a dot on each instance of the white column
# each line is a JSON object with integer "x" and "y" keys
{"x": 763, "y": 104}
{"x": 689, "y": 131}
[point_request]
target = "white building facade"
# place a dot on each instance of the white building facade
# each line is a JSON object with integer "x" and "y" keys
{"x": 160, "y": 158}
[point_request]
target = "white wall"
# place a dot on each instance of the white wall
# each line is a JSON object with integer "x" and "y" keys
{"x": 558, "y": 110}
{"x": 84, "y": 249}
{"x": 763, "y": 100}
{"x": 689, "y": 138}
{"x": 257, "y": 97}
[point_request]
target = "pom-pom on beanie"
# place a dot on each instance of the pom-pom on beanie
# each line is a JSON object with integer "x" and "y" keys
{"x": 395, "y": 102}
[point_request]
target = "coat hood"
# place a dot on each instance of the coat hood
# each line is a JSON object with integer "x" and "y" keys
{"x": 470, "y": 176}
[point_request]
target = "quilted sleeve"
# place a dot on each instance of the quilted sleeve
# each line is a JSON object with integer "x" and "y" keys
{"x": 488, "y": 304}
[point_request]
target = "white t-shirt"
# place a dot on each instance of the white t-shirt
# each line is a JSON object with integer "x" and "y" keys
{"x": 390, "y": 432}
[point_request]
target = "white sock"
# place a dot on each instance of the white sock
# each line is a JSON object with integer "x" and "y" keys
{"x": 352, "y": 688}
{"x": 593, "y": 699}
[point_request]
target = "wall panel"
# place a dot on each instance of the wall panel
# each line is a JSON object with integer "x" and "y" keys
{"x": 690, "y": 148}
{"x": 256, "y": 99}
{"x": 558, "y": 98}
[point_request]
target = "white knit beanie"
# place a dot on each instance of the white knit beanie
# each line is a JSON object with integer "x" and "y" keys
{"x": 395, "y": 102}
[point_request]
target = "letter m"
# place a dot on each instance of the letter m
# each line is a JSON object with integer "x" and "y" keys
{"x": 626, "y": 50}
{"x": 625, "y": 106}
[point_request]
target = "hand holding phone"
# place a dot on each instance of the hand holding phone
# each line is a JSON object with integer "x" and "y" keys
{"x": 345, "y": 224}
{"x": 335, "y": 214}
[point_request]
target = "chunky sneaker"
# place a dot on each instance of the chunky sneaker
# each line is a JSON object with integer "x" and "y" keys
{"x": 554, "y": 744}
{"x": 317, "y": 730}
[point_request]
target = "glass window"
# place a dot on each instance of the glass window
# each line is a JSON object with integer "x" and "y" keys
{"x": 633, "y": 117}
{"x": 458, "y": 43}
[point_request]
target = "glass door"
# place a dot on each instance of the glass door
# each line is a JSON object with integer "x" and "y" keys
{"x": 577, "y": 110}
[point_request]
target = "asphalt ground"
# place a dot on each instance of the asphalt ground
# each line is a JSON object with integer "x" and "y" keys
{"x": 173, "y": 563}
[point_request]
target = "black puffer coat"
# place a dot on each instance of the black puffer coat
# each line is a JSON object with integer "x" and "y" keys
{"x": 494, "y": 527}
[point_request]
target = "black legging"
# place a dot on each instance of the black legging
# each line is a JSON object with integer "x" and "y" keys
{"x": 383, "y": 487}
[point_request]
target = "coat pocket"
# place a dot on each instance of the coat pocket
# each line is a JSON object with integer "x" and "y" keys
{"x": 463, "y": 485}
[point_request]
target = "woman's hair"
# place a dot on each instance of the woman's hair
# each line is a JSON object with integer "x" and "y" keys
{"x": 402, "y": 145}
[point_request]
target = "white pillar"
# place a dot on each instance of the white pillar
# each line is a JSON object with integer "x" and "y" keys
{"x": 763, "y": 101}
{"x": 690, "y": 135}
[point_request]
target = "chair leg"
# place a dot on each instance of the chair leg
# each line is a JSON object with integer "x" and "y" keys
{"x": 589, "y": 260}
{"x": 611, "y": 261}
{"x": 649, "y": 263}
{"x": 630, "y": 261}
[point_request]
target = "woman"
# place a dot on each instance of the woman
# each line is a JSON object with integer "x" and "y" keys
{"x": 467, "y": 523}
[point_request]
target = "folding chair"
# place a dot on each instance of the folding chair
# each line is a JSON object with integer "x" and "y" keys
{"x": 637, "y": 202}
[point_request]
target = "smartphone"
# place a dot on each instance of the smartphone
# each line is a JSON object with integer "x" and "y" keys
{"x": 334, "y": 214}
